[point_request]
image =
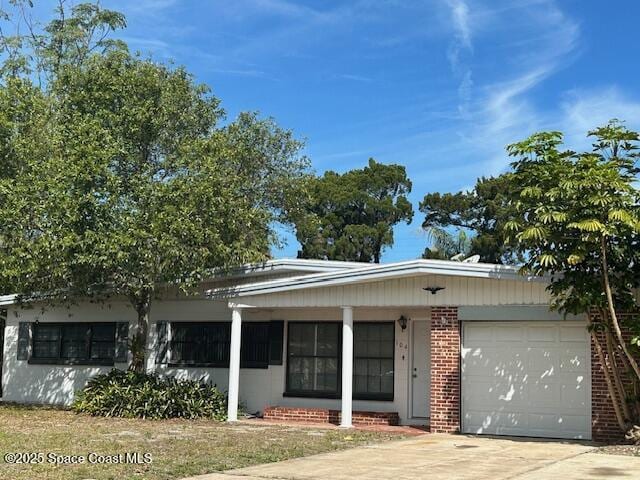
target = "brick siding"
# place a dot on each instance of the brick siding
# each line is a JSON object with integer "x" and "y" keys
{"x": 604, "y": 426}
{"x": 445, "y": 370}
{"x": 325, "y": 415}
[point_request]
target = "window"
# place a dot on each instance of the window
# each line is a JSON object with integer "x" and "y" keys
{"x": 74, "y": 343}
{"x": 314, "y": 351}
{"x": 313, "y": 367}
{"x": 207, "y": 344}
{"x": 373, "y": 361}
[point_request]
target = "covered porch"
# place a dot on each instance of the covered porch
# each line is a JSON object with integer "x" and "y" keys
{"x": 384, "y": 340}
{"x": 346, "y": 365}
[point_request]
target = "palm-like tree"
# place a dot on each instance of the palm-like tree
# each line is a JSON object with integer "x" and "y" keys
{"x": 446, "y": 245}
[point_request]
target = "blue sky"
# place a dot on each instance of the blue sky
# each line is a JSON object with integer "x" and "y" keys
{"x": 440, "y": 86}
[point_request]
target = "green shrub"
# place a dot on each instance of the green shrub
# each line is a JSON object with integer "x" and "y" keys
{"x": 139, "y": 395}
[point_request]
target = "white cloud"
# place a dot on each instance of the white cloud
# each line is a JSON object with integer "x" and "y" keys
{"x": 505, "y": 111}
{"x": 583, "y": 110}
{"x": 462, "y": 43}
{"x": 461, "y": 25}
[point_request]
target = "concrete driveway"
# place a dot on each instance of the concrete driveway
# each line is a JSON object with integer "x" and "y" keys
{"x": 450, "y": 457}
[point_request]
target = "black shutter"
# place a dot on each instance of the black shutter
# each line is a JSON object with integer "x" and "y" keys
{"x": 276, "y": 339}
{"x": 162, "y": 331}
{"x": 122, "y": 342}
{"x": 24, "y": 340}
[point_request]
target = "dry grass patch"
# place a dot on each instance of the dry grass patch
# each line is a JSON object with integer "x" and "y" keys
{"x": 179, "y": 448}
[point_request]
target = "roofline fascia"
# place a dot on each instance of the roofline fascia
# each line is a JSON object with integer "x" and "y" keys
{"x": 379, "y": 272}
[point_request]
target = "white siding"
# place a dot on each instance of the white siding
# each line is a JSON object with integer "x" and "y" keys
{"x": 51, "y": 384}
{"x": 409, "y": 292}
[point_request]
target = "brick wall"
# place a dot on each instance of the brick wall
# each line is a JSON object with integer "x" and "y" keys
{"x": 445, "y": 370}
{"x": 604, "y": 426}
{"x": 325, "y": 415}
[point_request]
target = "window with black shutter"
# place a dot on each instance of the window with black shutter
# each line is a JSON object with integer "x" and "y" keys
{"x": 207, "y": 344}
{"x": 73, "y": 343}
{"x": 200, "y": 344}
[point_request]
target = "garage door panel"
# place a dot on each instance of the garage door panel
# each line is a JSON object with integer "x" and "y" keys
{"x": 541, "y": 334}
{"x": 476, "y": 335}
{"x": 487, "y": 395}
{"x": 535, "y": 424}
{"x": 536, "y": 384}
{"x": 575, "y": 423}
{"x": 573, "y": 360}
{"x": 572, "y": 334}
{"x": 543, "y": 394}
{"x": 542, "y": 362}
{"x": 574, "y": 396}
{"x": 509, "y": 334}
{"x": 493, "y": 361}
{"x": 490, "y": 422}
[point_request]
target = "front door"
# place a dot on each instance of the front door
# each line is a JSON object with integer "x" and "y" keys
{"x": 420, "y": 371}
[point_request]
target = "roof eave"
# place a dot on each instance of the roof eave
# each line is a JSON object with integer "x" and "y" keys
{"x": 374, "y": 273}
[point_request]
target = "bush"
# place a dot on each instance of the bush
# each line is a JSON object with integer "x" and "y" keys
{"x": 140, "y": 395}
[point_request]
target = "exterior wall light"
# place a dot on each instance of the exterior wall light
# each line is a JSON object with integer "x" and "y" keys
{"x": 402, "y": 321}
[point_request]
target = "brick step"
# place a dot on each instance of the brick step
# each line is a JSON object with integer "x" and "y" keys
{"x": 325, "y": 415}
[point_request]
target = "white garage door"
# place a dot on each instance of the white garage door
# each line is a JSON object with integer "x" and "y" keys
{"x": 526, "y": 378}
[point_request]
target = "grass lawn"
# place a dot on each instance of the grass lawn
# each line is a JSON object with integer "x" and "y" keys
{"x": 178, "y": 448}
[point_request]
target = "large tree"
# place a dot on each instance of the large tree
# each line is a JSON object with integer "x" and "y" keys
{"x": 351, "y": 216}
{"x": 578, "y": 218}
{"x": 481, "y": 211}
{"x": 126, "y": 180}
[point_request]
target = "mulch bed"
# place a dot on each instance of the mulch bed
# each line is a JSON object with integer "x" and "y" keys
{"x": 630, "y": 450}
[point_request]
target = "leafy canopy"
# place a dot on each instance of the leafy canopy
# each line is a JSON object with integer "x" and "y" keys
{"x": 119, "y": 174}
{"x": 570, "y": 205}
{"x": 482, "y": 211}
{"x": 351, "y": 216}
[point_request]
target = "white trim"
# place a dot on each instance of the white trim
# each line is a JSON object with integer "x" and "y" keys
{"x": 289, "y": 264}
{"x": 347, "y": 368}
{"x": 277, "y": 265}
{"x": 374, "y": 272}
{"x": 8, "y": 299}
{"x": 234, "y": 365}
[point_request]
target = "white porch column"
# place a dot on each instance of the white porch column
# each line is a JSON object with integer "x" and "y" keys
{"x": 234, "y": 364}
{"x": 347, "y": 366}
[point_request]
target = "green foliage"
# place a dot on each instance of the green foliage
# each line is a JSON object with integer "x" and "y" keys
{"x": 568, "y": 204}
{"x": 120, "y": 174}
{"x": 141, "y": 395}
{"x": 69, "y": 39}
{"x": 446, "y": 245}
{"x": 482, "y": 211}
{"x": 351, "y": 216}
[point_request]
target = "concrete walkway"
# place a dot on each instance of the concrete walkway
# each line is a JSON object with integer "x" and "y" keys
{"x": 450, "y": 457}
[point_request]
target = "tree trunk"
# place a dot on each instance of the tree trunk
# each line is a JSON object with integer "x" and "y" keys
{"x": 607, "y": 377}
{"x": 617, "y": 378}
{"x": 142, "y": 304}
{"x": 635, "y": 387}
{"x": 612, "y": 310}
